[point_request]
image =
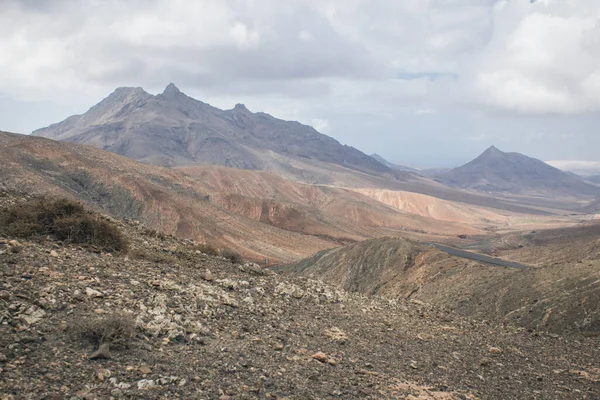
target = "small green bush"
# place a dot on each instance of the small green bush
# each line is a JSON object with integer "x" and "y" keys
{"x": 63, "y": 219}
{"x": 232, "y": 256}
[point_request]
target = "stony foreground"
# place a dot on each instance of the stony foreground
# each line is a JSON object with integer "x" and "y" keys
{"x": 208, "y": 329}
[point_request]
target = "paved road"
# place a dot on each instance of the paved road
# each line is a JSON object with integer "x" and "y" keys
{"x": 478, "y": 257}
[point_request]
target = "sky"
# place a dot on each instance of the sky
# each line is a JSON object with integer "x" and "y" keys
{"x": 429, "y": 83}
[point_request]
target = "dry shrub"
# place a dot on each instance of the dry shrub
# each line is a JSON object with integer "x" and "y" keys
{"x": 205, "y": 248}
{"x": 116, "y": 329}
{"x": 153, "y": 256}
{"x": 232, "y": 256}
{"x": 64, "y": 219}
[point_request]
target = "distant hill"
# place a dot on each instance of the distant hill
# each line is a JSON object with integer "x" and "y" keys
{"x": 391, "y": 165}
{"x": 495, "y": 171}
{"x": 172, "y": 129}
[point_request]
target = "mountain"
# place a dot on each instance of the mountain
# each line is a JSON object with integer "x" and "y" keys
{"x": 391, "y": 165}
{"x": 172, "y": 129}
{"x": 495, "y": 171}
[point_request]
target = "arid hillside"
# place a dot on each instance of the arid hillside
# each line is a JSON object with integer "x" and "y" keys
{"x": 357, "y": 206}
{"x": 493, "y": 219}
{"x": 259, "y": 214}
{"x": 556, "y": 296}
{"x": 164, "y": 199}
{"x": 163, "y": 320}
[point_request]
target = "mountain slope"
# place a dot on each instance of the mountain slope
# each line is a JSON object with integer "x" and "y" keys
{"x": 172, "y": 129}
{"x": 513, "y": 173}
{"x": 198, "y": 327}
{"x": 558, "y": 296}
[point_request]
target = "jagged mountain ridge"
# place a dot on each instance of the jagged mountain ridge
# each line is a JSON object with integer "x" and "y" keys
{"x": 498, "y": 172}
{"x": 172, "y": 129}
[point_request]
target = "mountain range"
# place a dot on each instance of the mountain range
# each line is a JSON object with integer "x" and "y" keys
{"x": 172, "y": 129}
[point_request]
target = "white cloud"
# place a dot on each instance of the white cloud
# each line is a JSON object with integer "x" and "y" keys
{"x": 305, "y": 36}
{"x": 244, "y": 37}
{"x": 321, "y": 125}
{"x": 424, "y": 111}
{"x": 542, "y": 58}
{"x": 584, "y": 168}
{"x": 350, "y": 63}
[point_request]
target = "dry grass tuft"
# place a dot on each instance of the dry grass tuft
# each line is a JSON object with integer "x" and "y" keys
{"x": 232, "y": 256}
{"x": 64, "y": 219}
{"x": 117, "y": 329}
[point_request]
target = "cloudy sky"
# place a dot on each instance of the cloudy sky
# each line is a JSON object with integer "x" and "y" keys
{"x": 421, "y": 82}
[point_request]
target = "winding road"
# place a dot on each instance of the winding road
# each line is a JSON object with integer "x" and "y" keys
{"x": 479, "y": 257}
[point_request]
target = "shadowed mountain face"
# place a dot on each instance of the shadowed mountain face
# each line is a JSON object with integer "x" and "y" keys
{"x": 172, "y": 129}
{"x": 513, "y": 173}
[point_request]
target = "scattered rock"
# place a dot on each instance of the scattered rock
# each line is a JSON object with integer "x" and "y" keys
{"x": 336, "y": 334}
{"x": 145, "y": 370}
{"x": 320, "y": 356}
{"x": 145, "y": 384}
{"x": 102, "y": 374}
{"x": 92, "y": 292}
{"x": 103, "y": 352}
{"x": 53, "y": 253}
{"x": 208, "y": 276}
{"x": 32, "y": 315}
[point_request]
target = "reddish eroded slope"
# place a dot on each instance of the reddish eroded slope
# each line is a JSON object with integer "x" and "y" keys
{"x": 162, "y": 198}
{"x": 347, "y": 210}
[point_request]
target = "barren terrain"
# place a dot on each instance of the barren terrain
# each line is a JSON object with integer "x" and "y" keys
{"x": 561, "y": 294}
{"x": 205, "y": 328}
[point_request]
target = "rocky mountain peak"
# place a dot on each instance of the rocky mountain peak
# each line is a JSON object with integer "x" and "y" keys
{"x": 171, "y": 90}
{"x": 126, "y": 94}
{"x": 492, "y": 150}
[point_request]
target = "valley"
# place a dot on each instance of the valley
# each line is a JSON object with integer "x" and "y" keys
{"x": 299, "y": 200}
{"x": 345, "y": 256}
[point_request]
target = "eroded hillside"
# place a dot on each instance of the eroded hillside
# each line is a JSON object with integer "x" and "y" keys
{"x": 557, "y": 296}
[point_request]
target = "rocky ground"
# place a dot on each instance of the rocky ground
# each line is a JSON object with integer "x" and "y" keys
{"x": 181, "y": 324}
